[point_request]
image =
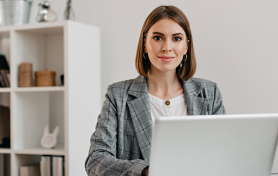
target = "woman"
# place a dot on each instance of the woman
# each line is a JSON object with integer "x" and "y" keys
{"x": 166, "y": 63}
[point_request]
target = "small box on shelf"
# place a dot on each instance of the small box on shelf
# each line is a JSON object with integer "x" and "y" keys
{"x": 31, "y": 170}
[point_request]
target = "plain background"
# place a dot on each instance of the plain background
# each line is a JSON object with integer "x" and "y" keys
{"x": 236, "y": 44}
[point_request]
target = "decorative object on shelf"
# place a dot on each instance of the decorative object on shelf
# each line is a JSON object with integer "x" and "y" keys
{"x": 25, "y": 74}
{"x": 69, "y": 13}
{"x": 4, "y": 127}
{"x": 62, "y": 80}
{"x": 49, "y": 140}
{"x": 4, "y": 72}
{"x": 6, "y": 142}
{"x": 45, "y": 14}
{"x": 3, "y": 63}
{"x": 15, "y": 12}
{"x": 45, "y": 78}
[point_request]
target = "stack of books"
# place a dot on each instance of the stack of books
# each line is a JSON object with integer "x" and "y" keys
{"x": 4, "y": 72}
{"x": 50, "y": 165}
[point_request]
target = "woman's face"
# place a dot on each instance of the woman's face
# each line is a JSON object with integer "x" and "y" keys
{"x": 166, "y": 43}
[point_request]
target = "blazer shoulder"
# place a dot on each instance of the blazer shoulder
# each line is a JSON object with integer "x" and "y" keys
{"x": 209, "y": 89}
{"x": 120, "y": 87}
{"x": 203, "y": 82}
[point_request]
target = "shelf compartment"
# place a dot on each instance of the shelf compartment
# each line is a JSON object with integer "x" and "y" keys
{"x": 24, "y": 160}
{"x": 35, "y": 110}
{"x": 43, "y": 47}
{"x": 5, "y": 164}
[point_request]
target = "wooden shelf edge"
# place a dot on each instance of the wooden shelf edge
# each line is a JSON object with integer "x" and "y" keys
{"x": 40, "y": 151}
{"x": 32, "y": 26}
{"x": 5, "y": 151}
{"x": 5, "y": 90}
{"x": 40, "y": 89}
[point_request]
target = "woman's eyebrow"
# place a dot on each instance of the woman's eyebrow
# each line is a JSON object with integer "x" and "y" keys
{"x": 163, "y": 34}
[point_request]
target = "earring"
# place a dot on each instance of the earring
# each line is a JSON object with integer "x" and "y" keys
{"x": 145, "y": 57}
{"x": 184, "y": 59}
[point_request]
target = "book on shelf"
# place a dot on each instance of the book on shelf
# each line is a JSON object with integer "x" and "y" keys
{"x": 3, "y": 62}
{"x": 57, "y": 166}
{"x": 32, "y": 170}
{"x": 1, "y": 81}
{"x": 5, "y": 164}
{"x": 2, "y": 164}
{"x": 52, "y": 165}
{"x": 5, "y": 81}
{"x": 4, "y": 72}
{"x": 4, "y": 127}
{"x": 45, "y": 165}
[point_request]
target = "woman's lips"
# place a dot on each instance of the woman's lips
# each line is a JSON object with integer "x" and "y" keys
{"x": 165, "y": 58}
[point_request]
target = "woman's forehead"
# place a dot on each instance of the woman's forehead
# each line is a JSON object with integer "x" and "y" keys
{"x": 167, "y": 27}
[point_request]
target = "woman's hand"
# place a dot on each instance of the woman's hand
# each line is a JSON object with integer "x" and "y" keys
{"x": 145, "y": 172}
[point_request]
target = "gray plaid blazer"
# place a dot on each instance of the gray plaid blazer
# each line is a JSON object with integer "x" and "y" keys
{"x": 121, "y": 142}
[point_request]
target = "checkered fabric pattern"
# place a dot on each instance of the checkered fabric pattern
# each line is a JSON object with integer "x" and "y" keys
{"x": 121, "y": 143}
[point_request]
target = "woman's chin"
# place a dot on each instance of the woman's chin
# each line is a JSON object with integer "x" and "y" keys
{"x": 167, "y": 69}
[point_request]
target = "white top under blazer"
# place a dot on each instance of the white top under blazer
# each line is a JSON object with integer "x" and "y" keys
{"x": 173, "y": 107}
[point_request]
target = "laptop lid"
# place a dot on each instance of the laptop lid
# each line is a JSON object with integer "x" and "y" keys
{"x": 215, "y": 145}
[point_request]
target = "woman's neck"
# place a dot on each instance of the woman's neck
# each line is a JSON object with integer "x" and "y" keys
{"x": 164, "y": 85}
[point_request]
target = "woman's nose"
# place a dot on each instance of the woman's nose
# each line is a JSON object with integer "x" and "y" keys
{"x": 167, "y": 46}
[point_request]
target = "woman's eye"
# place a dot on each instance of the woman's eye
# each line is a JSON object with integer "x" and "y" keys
{"x": 177, "y": 38}
{"x": 157, "y": 38}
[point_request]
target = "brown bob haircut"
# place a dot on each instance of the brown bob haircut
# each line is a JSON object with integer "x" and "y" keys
{"x": 189, "y": 65}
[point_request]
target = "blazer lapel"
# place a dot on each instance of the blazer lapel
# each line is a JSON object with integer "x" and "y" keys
{"x": 141, "y": 115}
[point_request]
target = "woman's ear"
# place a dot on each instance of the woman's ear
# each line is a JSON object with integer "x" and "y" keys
{"x": 186, "y": 49}
{"x": 145, "y": 50}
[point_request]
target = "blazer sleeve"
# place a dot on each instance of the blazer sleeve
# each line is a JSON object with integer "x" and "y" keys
{"x": 102, "y": 154}
{"x": 218, "y": 106}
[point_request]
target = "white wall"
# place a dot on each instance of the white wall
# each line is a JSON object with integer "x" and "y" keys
{"x": 236, "y": 44}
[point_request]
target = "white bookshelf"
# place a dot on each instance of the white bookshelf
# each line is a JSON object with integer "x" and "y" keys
{"x": 68, "y": 48}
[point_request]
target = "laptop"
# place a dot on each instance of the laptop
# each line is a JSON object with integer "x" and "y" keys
{"x": 214, "y": 145}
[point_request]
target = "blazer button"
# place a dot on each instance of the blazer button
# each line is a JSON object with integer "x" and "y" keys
{"x": 167, "y": 103}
